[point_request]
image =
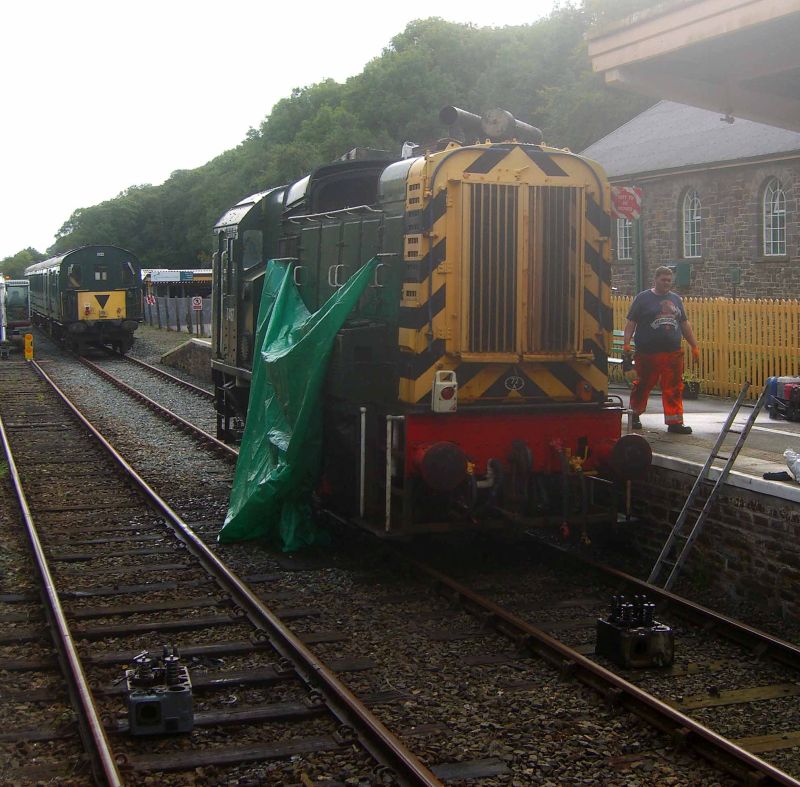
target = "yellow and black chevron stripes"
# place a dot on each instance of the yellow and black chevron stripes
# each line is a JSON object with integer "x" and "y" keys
{"x": 422, "y": 324}
{"x": 441, "y": 323}
{"x": 495, "y": 155}
{"x": 597, "y": 314}
{"x": 537, "y": 383}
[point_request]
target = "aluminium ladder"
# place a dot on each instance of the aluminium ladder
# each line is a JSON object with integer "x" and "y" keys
{"x": 678, "y": 534}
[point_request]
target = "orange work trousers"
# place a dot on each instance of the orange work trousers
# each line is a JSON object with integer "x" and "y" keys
{"x": 666, "y": 367}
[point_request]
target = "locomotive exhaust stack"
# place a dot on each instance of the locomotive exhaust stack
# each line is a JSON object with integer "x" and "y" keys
{"x": 498, "y": 125}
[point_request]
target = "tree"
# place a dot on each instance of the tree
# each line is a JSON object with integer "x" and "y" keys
{"x": 14, "y": 267}
{"x": 540, "y": 72}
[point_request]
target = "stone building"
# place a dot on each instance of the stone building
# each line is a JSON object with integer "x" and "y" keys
{"x": 720, "y": 202}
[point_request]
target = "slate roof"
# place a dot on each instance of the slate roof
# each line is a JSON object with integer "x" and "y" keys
{"x": 670, "y": 136}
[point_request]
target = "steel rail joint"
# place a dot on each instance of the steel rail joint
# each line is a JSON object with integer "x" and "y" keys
{"x": 707, "y": 742}
{"x": 373, "y": 735}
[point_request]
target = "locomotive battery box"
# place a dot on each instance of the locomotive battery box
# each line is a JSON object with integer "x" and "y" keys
{"x": 159, "y": 695}
{"x": 632, "y": 638}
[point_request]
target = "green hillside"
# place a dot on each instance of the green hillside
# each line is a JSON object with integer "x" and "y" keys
{"x": 539, "y": 72}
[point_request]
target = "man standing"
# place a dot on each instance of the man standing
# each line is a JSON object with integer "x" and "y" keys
{"x": 657, "y": 321}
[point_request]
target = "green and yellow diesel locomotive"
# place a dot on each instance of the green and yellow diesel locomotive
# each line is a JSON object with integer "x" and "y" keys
{"x": 91, "y": 296}
{"x": 471, "y": 379}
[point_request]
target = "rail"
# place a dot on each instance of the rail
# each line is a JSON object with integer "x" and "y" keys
{"x": 383, "y": 745}
{"x": 94, "y": 734}
{"x": 195, "y": 389}
{"x": 204, "y": 437}
{"x": 612, "y": 687}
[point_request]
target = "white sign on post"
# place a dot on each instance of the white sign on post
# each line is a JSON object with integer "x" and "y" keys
{"x": 197, "y": 303}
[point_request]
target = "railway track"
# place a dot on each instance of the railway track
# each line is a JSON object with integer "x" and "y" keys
{"x": 733, "y": 687}
{"x": 133, "y": 389}
{"x": 650, "y": 698}
{"x": 122, "y": 574}
{"x": 203, "y": 393}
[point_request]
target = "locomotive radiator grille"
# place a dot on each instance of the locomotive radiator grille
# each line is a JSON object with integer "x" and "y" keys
{"x": 522, "y": 269}
{"x": 493, "y": 244}
{"x": 553, "y": 270}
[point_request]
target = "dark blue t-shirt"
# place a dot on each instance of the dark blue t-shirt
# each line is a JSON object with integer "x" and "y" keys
{"x": 658, "y": 321}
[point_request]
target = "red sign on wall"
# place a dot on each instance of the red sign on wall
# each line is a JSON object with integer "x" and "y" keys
{"x": 626, "y": 202}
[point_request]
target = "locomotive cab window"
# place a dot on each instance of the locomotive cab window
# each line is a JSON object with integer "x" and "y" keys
{"x": 339, "y": 193}
{"x": 128, "y": 274}
{"x": 74, "y": 276}
{"x": 101, "y": 273}
{"x": 251, "y": 248}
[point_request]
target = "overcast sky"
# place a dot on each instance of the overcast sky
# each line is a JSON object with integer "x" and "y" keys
{"x": 99, "y": 96}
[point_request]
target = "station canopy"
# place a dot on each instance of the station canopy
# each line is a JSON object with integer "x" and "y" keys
{"x": 169, "y": 276}
{"x": 739, "y": 58}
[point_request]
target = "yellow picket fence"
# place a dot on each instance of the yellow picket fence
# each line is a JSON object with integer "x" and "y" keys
{"x": 750, "y": 339}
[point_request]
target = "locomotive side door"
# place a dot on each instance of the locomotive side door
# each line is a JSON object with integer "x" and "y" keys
{"x": 333, "y": 273}
{"x": 228, "y": 313}
{"x": 307, "y": 271}
{"x": 216, "y": 303}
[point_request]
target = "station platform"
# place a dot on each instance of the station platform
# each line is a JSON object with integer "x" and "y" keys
{"x": 762, "y": 452}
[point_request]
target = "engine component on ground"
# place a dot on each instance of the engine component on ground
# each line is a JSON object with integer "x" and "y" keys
{"x": 632, "y": 638}
{"x": 159, "y": 695}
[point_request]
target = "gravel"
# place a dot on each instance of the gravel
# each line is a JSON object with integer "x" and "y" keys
{"x": 518, "y": 710}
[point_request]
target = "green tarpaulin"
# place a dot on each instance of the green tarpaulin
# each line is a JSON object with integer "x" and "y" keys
{"x": 279, "y": 459}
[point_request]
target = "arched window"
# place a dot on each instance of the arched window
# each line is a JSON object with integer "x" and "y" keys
{"x": 774, "y": 221}
{"x": 691, "y": 225}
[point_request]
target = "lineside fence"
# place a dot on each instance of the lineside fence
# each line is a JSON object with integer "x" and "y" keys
{"x": 742, "y": 339}
{"x": 177, "y": 314}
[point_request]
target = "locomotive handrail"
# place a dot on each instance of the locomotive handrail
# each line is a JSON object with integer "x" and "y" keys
{"x": 333, "y": 276}
{"x": 375, "y": 278}
{"x": 333, "y": 213}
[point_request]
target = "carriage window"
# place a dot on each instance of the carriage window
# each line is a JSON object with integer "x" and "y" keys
{"x": 74, "y": 275}
{"x": 101, "y": 273}
{"x": 251, "y": 248}
{"x": 128, "y": 274}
